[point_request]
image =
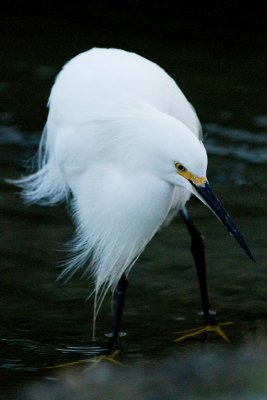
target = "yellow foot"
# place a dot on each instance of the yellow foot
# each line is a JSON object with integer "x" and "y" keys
{"x": 216, "y": 328}
{"x": 93, "y": 360}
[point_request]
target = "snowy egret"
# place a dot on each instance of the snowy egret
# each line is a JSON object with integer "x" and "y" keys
{"x": 124, "y": 146}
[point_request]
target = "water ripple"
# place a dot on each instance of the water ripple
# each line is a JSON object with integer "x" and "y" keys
{"x": 244, "y": 153}
{"x": 242, "y": 135}
{"x": 239, "y": 144}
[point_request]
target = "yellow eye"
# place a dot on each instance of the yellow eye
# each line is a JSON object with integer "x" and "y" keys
{"x": 180, "y": 167}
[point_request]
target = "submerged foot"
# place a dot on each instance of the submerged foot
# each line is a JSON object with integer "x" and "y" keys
{"x": 94, "y": 361}
{"x": 112, "y": 358}
{"x": 210, "y": 327}
{"x": 93, "y": 356}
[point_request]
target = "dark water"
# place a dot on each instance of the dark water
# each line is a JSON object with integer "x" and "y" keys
{"x": 43, "y": 322}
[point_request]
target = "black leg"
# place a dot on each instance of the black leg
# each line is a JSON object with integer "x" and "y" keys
{"x": 198, "y": 252}
{"x": 119, "y": 306}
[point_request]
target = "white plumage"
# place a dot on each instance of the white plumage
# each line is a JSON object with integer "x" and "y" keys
{"x": 117, "y": 125}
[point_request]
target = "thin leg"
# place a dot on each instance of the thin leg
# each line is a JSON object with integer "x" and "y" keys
{"x": 120, "y": 300}
{"x": 198, "y": 252}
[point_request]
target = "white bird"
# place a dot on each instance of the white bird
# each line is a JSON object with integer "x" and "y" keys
{"x": 124, "y": 146}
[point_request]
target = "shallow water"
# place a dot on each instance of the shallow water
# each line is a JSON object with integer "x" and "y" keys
{"x": 46, "y": 323}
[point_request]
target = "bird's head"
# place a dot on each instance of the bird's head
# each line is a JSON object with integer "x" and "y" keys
{"x": 187, "y": 168}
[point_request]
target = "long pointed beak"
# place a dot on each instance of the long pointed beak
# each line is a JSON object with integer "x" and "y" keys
{"x": 205, "y": 194}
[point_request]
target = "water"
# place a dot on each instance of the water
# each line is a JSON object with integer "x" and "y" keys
{"x": 45, "y": 323}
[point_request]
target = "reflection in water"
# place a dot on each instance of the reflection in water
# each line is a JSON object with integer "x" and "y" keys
{"x": 218, "y": 374}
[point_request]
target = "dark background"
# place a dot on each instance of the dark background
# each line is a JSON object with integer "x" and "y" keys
{"x": 224, "y": 22}
{"x": 171, "y": 33}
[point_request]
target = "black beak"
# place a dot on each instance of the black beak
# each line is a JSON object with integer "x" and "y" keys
{"x": 206, "y": 194}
